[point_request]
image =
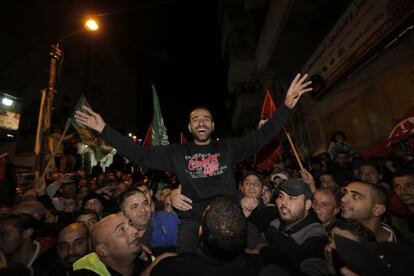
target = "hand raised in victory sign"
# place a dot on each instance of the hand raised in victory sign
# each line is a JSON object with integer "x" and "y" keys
{"x": 90, "y": 119}
{"x": 297, "y": 88}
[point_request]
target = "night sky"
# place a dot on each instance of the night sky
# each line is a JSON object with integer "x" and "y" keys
{"x": 174, "y": 44}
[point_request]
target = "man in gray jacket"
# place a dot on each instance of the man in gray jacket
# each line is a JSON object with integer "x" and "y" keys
{"x": 297, "y": 237}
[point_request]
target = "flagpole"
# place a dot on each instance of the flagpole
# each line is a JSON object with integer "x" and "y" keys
{"x": 294, "y": 149}
{"x": 52, "y": 156}
{"x": 39, "y": 140}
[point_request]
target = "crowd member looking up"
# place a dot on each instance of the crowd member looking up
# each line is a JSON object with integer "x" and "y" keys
{"x": 297, "y": 235}
{"x": 366, "y": 203}
{"x": 222, "y": 241}
{"x": 204, "y": 167}
{"x": 251, "y": 187}
{"x": 326, "y": 205}
{"x": 156, "y": 230}
{"x": 117, "y": 249}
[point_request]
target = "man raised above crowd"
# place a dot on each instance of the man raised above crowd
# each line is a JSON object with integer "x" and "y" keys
{"x": 203, "y": 167}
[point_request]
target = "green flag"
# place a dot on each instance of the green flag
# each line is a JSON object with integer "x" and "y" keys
{"x": 90, "y": 137}
{"x": 159, "y": 132}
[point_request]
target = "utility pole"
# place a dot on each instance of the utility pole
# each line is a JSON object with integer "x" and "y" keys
{"x": 45, "y": 111}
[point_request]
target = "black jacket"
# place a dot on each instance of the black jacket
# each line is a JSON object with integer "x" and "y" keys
{"x": 203, "y": 171}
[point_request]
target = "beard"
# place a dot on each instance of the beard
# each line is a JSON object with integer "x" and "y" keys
{"x": 70, "y": 259}
{"x": 201, "y": 138}
{"x": 289, "y": 217}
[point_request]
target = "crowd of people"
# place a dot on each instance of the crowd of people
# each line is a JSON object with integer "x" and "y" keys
{"x": 203, "y": 208}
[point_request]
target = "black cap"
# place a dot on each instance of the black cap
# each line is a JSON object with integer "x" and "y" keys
{"x": 376, "y": 258}
{"x": 268, "y": 185}
{"x": 296, "y": 187}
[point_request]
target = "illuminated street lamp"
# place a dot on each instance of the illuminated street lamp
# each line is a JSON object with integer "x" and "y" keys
{"x": 91, "y": 25}
{"x": 46, "y": 103}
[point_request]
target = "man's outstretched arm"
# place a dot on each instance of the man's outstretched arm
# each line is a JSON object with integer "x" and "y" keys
{"x": 156, "y": 157}
{"x": 243, "y": 147}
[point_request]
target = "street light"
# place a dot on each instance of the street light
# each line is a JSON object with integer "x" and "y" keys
{"x": 7, "y": 101}
{"x": 46, "y": 103}
{"x": 91, "y": 25}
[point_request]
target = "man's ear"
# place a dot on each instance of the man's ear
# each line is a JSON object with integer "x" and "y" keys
{"x": 28, "y": 233}
{"x": 200, "y": 230}
{"x": 379, "y": 209}
{"x": 101, "y": 250}
{"x": 189, "y": 127}
{"x": 308, "y": 204}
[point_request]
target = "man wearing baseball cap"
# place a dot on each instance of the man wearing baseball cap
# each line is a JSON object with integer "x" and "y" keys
{"x": 297, "y": 237}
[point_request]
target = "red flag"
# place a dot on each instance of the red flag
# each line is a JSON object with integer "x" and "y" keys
{"x": 402, "y": 129}
{"x": 148, "y": 136}
{"x": 266, "y": 157}
{"x": 268, "y": 108}
{"x": 183, "y": 140}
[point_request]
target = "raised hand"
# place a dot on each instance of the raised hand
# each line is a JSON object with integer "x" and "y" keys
{"x": 90, "y": 119}
{"x": 308, "y": 179}
{"x": 297, "y": 88}
{"x": 248, "y": 204}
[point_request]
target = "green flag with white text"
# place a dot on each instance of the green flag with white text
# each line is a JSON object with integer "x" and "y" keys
{"x": 159, "y": 131}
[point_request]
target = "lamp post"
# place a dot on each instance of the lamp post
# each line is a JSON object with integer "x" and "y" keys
{"x": 46, "y": 102}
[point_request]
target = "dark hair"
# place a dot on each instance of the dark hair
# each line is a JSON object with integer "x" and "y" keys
{"x": 88, "y": 212}
{"x": 19, "y": 221}
{"x": 258, "y": 175}
{"x": 336, "y": 133}
{"x": 224, "y": 229}
{"x": 380, "y": 196}
{"x": 124, "y": 195}
{"x": 363, "y": 233}
{"x": 200, "y": 107}
{"x": 90, "y": 196}
{"x": 404, "y": 171}
{"x": 368, "y": 163}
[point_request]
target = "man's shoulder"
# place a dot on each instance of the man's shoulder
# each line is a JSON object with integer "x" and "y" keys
{"x": 161, "y": 217}
{"x": 180, "y": 264}
{"x": 196, "y": 263}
